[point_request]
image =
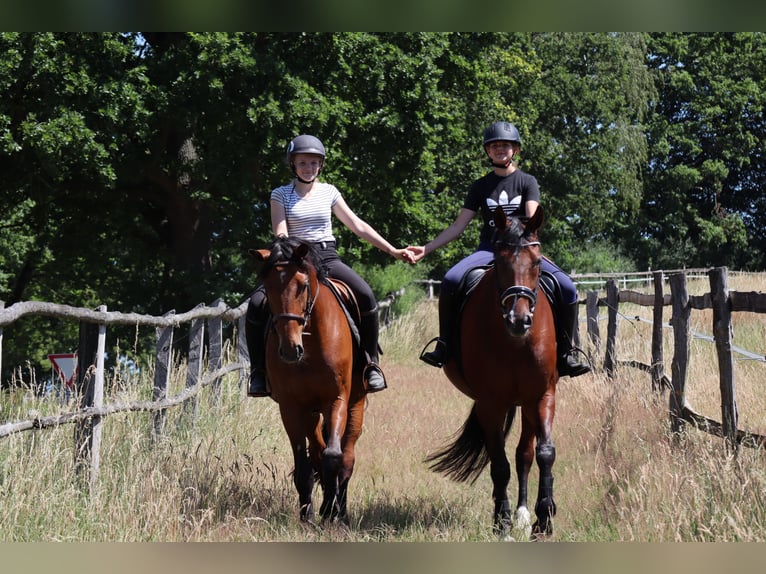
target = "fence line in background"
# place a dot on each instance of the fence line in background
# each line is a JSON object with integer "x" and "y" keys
{"x": 723, "y": 302}
{"x": 89, "y": 382}
{"x": 719, "y": 299}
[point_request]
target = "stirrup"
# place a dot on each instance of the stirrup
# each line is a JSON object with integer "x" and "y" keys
{"x": 435, "y": 358}
{"x": 576, "y": 369}
{"x": 370, "y": 370}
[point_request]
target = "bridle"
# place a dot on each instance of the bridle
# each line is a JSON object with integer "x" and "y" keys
{"x": 310, "y": 301}
{"x": 518, "y": 291}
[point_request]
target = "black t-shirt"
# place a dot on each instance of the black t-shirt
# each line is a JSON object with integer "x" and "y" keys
{"x": 511, "y": 192}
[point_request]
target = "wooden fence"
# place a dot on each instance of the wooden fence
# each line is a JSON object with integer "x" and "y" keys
{"x": 723, "y": 302}
{"x": 205, "y": 338}
{"x": 719, "y": 299}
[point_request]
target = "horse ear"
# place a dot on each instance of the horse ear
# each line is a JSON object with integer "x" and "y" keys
{"x": 301, "y": 251}
{"x": 536, "y": 221}
{"x": 261, "y": 256}
{"x": 501, "y": 221}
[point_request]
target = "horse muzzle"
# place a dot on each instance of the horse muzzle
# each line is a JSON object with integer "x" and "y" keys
{"x": 291, "y": 353}
{"x": 290, "y": 330}
{"x": 518, "y": 325}
{"x": 518, "y": 319}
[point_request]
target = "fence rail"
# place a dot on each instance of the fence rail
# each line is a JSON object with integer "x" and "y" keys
{"x": 587, "y": 281}
{"x": 723, "y": 302}
{"x": 205, "y": 325}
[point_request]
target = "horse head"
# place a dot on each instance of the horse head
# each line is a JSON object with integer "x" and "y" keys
{"x": 291, "y": 281}
{"x": 517, "y": 266}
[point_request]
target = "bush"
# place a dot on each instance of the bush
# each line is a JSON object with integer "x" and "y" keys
{"x": 394, "y": 278}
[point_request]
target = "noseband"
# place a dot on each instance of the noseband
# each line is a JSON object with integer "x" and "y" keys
{"x": 519, "y": 291}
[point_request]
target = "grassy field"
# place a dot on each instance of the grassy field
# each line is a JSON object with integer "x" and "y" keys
{"x": 227, "y": 478}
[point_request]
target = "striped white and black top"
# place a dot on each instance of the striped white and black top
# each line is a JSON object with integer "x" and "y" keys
{"x": 308, "y": 218}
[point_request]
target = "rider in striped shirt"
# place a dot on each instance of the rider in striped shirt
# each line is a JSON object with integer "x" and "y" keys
{"x": 303, "y": 209}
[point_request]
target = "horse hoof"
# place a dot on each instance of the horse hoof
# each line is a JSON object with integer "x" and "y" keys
{"x": 522, "y": 524}
{"x": 541, "y": 531}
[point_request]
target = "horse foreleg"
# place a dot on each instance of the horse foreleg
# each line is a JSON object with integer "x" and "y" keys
{"x": 303, "y": 474}
{"x": 545, "y": 454}
{"x": 332, "y": 459}
{"x": 545, "y": 508}
{"x": 525, "y": 452}
{"x": 303, "y": 478}
{"x": 491, "y": 421}
{"x": 353, "y": 431}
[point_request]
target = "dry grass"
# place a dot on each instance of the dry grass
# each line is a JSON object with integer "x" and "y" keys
{"x": 227, "y": 478}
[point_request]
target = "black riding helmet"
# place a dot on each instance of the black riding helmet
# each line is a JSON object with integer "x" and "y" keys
{"x": 304, "y": 143}
{"x": 501, "y": 131}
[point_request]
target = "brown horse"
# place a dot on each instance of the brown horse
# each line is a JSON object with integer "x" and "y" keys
{"x": 507, "y": 359}
{"x": 310, "y": 365}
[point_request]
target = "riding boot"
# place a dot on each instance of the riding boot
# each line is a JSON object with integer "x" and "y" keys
{"x": 440, "y": 354}
{"x": 568, "y": 364}
{"x": 255, "y": 333}
{"x": 368, "y": 331}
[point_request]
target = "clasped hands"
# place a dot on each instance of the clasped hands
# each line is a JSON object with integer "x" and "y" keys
{"x": 411, "y": 254}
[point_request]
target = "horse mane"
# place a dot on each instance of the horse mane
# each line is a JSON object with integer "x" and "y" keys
{"x": 283, "y": 249}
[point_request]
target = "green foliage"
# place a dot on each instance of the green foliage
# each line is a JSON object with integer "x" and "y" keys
{"x": 398, "y": 279}
{"x": 702, "y": 191}
{"x": 597, "y": 257}
{"x": 137, "y": 167}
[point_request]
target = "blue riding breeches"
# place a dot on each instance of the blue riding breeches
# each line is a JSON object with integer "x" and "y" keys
{"x": 452, "y": 278}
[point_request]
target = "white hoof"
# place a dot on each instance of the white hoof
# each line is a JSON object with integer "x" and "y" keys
{"x": 522, "y": 524}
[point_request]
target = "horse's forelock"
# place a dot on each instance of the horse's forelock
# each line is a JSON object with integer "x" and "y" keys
{"x": 516, "y": 227}
{"x": 512, "y": 234}
{"x": 283, "y": 249}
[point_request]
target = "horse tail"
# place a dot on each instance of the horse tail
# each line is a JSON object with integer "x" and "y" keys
{"x": 466, "y": 458}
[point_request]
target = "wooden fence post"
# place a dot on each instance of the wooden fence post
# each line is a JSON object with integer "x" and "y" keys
{"x": 722, "y": 332}
{"x": 243, "y": 353}
{"x": 215, "y": 349}
{"x": 194, "y": 363}
{"x": 658, "y": 368}
{"x": 98, "y": 402}
{"x": 87, "y": 350}
{"x": 681, "y": 349}
{"x": 162, "y": 365}
{"x": 612, "y": 304}
{"x": 591, "y": 312}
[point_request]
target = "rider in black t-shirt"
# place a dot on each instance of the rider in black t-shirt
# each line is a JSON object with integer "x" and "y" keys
{"x": 519, "y": 194}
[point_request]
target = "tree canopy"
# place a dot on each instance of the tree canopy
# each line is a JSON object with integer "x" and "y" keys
{"x": 137, "y": 167}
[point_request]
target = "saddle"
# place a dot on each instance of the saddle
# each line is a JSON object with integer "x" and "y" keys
{"x": 350, "y": 306}
{"x": 549, "y": 285}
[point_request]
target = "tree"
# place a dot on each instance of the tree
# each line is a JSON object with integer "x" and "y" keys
{"x": 587, "y": 144}
{"x": 703, "y": 203}
{"x": 138, "y": 166}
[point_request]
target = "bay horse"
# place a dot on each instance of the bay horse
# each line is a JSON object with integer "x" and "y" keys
{"x": 507, "y": 359}
{"x": 313, "y": 376}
